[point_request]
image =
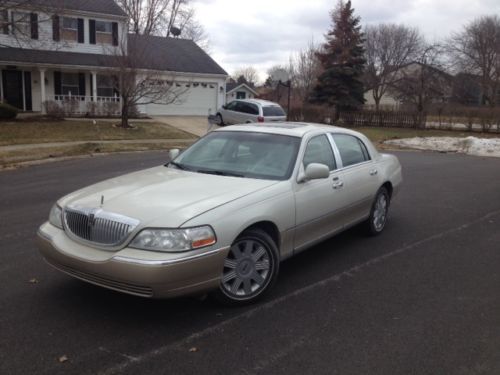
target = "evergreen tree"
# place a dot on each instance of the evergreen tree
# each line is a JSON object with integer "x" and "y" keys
{"x": 342, "y": 59}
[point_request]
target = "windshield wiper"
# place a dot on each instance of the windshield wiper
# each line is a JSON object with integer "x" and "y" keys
{"x": 220, "y": 173}
{"x": 178, "y": 165}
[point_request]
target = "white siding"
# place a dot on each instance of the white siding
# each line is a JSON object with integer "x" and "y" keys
{"x": 46, "y": 42}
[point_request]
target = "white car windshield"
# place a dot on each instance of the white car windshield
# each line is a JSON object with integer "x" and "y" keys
{"x": 241, "y": 154}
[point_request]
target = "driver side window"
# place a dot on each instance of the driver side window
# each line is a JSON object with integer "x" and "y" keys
{"x": 320, "y": 151}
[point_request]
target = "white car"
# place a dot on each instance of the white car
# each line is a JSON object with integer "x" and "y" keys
{"x": 223, "y": 214}
{"x": 246, "y": 111}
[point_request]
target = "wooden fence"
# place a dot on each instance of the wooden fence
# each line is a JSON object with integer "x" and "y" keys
{"x": 388, "y": 119}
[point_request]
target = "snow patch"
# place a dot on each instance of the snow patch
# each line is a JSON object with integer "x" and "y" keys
{"x": 469, "y": 145}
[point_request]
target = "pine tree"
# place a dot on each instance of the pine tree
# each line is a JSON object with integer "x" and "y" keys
{"x": 342, "y": 59}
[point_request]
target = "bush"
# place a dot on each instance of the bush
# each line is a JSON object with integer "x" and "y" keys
{"x": 53, "y": 109}
{"x": 7, "y": 112}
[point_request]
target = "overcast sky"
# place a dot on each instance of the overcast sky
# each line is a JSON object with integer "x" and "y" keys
{"x": 262, "y": 33}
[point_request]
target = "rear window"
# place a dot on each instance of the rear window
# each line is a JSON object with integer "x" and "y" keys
{"x": 273, "y": 110}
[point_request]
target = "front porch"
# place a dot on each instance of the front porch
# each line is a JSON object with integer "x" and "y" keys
{"x": 69, "y": 92}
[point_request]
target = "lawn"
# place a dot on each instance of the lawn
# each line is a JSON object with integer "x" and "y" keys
{"x": 24, "y": 132}
{"x": 379, "y": 135}
{"x": 164, "y": 136}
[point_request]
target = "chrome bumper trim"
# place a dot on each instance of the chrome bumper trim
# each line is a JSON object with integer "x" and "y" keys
{"x": 147, "y": 262}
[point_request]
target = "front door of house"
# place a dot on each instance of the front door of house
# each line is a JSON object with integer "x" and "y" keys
{"x": 13, "y": 87}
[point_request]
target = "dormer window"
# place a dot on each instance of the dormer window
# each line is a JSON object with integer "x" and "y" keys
{"x": 104, "y": 31}
{"x": 69, "y": 29}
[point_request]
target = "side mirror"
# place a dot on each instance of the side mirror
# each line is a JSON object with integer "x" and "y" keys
{"x": 224, "y": 106}
{"x": 173, "y": 153}
{"x": 316, "y": 171}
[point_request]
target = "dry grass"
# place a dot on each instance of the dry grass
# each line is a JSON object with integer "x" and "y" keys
{"x": 15, "y": 157}
{"x": 379, "y": 135}
{"x": 29, "y": 132}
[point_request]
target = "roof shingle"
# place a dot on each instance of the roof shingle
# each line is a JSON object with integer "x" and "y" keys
{"x": 94, "y": 6}
{"x": 156, "y": 53}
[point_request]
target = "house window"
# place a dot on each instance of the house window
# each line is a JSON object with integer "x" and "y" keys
{"x": 105, "y": 86}
{"x": 69, "y": 84}
{"x": 4, "y": 21}
{"x": 21, "y": 23}
{"x": 69, "y": 29}
{"x": 104, "y": 31}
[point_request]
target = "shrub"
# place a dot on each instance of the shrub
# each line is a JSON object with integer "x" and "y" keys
{"x": 53, "y": 109}
{"x": 7, "y": 112}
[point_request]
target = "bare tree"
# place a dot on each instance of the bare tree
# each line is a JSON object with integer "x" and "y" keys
{"x": 305, "y": 68}
{"x": 21, "y": 19}
{"x": 249, "y": 74}
{"x": 161, "y": 17}
{"x": 388, "y": 48}
{"x": 138, "y": 83}
{"x": 476, "y": 50}
{"x": 424, "y": 81}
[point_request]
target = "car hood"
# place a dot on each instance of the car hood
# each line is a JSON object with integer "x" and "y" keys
{"x": 163, "y": 196}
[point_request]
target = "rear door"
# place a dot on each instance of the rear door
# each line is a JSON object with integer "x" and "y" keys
{"x": 360, "y": 176}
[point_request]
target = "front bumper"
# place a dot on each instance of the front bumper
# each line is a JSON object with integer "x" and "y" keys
{"x": 132, "y": 271}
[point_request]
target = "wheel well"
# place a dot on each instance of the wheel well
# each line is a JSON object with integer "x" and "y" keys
{"x": 270, "y": 228}
{"x": 388, "y": 186}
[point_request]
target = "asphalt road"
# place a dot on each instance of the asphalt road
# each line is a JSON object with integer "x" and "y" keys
{"x": 423, "y": 298}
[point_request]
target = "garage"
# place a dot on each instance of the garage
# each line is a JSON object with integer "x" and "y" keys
{"x": 200, "y": 99}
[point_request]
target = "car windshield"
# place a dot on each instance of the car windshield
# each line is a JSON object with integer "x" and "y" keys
{"x": 241, "y": 154}
{"x": 273, "y": 110}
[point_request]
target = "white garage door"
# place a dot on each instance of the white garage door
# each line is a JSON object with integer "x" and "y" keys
{"x": 197, "y": 101}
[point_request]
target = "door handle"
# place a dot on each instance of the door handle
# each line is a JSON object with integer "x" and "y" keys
{"x": 338, "y": 185}
{"x": 373, "y": 172}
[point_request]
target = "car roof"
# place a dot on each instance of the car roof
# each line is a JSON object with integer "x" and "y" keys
{"x": 294, "y": 129}
{"x": 261, "y": 102}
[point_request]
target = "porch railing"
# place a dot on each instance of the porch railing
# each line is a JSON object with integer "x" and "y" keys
{"x": 84, "y": 105}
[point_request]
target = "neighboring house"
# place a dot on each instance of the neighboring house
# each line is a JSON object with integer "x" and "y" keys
{"x": 58, "y": 53}
{"x": 414, "y": 84}
{"x": 239, "y": 91}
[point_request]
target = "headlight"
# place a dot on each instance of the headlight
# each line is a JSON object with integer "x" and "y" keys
{"x": 55, "y": 216}
{"x": 174, "y": 240}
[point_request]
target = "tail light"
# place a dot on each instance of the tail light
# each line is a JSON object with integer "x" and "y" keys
{"x": 260, "y": 119}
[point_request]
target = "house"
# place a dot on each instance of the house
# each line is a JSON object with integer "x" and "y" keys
{"x": 236, "y": 90}
{"x": 414, "y": 85}
{"x": 64, "y": 51}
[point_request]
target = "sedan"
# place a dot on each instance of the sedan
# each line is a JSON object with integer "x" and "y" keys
{"x": 223, "y": 214}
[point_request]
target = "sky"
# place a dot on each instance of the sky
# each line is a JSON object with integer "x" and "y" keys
{"x": 263, "y": 33}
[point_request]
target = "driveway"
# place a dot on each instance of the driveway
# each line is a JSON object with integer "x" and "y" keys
{"x": 197, "y": 125}
{"x": 422, "y": 298}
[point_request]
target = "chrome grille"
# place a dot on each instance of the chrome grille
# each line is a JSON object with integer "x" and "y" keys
{"x": 98, "y": 226}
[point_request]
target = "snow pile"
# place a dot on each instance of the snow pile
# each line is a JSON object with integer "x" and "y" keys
{"x": 469, "y": 145}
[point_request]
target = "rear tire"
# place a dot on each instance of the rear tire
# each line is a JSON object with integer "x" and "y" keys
{"x": 378, "y": 215}
{"x": 250, "y": 269}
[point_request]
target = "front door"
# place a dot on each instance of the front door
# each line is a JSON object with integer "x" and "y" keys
{"x": 13, "y": 87}
{"x": 319, "y": 203}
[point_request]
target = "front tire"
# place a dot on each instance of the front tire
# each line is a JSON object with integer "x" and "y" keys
{"x": 250, "y": 269}
{"x": 218, "y": 119}
{"x": 378, "y": 214}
